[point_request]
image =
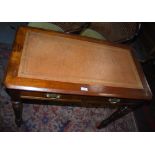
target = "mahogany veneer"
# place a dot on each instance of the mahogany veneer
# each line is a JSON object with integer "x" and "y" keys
{"x": 47, "y": 65}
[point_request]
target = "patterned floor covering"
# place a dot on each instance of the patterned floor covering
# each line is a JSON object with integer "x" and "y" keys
{"x": 48, "y": 118}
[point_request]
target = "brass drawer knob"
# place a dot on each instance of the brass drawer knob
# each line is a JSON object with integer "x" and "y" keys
{"x": 114, "y": 100}
{"x": 53, "y": 96}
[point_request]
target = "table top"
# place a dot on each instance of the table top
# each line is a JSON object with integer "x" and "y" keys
{"x": 54, "y": 62}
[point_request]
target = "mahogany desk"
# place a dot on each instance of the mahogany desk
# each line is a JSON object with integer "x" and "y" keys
{"x": 47, "y": 65}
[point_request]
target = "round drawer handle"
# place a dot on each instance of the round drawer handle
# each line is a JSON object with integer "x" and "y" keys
{"x": 53, "y": 96}
{"x": 114, "y": 100}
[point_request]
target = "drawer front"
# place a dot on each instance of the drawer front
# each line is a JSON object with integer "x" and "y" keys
{"x": 50, "y": 96}
{"x": 74, "y": 98}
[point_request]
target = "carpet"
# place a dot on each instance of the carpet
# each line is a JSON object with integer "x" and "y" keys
{"x": 54, "y": 118}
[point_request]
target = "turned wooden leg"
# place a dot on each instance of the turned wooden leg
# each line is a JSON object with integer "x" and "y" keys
{"x": 18, "y": 108}
{"x": 116, "y": 115}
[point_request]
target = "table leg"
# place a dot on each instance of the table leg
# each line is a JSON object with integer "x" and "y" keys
{"x": 116, "y": 115}
{"x": 18, "y": 108}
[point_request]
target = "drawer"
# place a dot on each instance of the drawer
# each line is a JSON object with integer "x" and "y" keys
{"x": 50, "y": 96}
{"x": 74, "y": 98}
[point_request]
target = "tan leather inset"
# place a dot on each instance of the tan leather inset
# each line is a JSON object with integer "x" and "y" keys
{"x": 56, "y": 58}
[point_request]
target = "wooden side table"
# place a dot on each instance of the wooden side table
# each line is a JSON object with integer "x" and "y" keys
{"x": 51, "y": 66}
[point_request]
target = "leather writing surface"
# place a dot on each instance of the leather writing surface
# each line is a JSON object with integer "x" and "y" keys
{"x": 57, "y": 58}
